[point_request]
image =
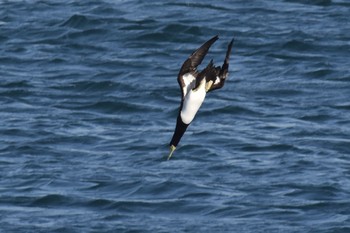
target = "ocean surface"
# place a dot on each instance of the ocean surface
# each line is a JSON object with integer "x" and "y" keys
{"x": 89, "y": 99}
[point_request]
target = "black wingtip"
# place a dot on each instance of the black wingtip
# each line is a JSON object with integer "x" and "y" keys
{"x": 228, "y": 52}
{"x": 210, "y": 42}
{"x": 198, "y": 55}
{"x": 231, "y": 43}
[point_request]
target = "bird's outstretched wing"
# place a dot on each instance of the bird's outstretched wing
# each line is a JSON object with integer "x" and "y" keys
{"x": 222, "y": 72}
{"x": 188, "y": 72}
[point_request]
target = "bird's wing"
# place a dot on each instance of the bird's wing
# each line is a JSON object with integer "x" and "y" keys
{"x": 209, "y": 73}
{"x": 188, "y": 72}
{"x": 222, "y": 71}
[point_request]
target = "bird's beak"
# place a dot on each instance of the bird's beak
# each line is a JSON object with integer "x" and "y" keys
{"x": 208, "y": 85}
{"x": 172, "y": 149}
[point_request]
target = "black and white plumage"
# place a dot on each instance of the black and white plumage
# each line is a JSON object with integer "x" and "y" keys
{"x": 194, "y": 85}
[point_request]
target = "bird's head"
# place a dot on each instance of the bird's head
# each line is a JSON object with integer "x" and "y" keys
{"x": 179, "y": 132}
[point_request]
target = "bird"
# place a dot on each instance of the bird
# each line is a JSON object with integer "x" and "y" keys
{"x": 194, "y": 86}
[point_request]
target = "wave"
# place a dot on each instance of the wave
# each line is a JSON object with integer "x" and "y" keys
{"x": 312, "y": 2}
{"x": 51, "y": 200}
{"x": 78, "y": 21}
{"x": 231, "y": 110}
{"x": 16, "y": 84}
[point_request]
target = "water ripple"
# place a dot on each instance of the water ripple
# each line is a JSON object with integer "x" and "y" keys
{"x": 89, "y": 103}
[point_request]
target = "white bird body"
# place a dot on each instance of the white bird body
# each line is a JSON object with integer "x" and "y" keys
{"x": 192, "y": 102}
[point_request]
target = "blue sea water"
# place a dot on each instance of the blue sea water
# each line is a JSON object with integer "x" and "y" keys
{"x": 89, "y": 100}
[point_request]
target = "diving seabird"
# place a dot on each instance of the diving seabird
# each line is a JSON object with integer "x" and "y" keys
{"x": 194, "y": 85}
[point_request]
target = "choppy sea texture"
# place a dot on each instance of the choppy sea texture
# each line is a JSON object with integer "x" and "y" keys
{"x": 89, "y": 100}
